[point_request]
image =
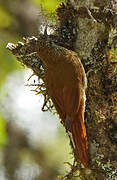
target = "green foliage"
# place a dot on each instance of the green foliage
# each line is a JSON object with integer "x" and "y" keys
{"x": 3, "y": 133}
{"x": 8, "y": 63}
{"x": 5, "y": 19}
{"x": 49, "y": 5}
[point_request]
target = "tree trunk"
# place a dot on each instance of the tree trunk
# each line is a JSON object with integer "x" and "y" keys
{"x": 95, "y": 21}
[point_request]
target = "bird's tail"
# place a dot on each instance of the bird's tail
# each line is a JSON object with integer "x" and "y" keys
{"x": 80, "y": 138}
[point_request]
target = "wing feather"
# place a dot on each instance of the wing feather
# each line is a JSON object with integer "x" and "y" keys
{"x": 66, "y": 100}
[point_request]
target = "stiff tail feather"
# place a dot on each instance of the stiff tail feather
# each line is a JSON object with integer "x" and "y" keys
{"x": 80, "y": 139}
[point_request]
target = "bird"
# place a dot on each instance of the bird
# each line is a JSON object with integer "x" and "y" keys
{"x": 66, "y": 82}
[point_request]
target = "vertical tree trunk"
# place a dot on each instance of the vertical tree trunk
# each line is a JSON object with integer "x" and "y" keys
{"x": 94, "y": 22}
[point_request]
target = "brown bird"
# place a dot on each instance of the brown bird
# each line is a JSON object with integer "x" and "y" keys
{"x": 66, "y": 83}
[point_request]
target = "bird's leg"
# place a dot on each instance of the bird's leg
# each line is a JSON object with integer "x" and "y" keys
{"x": 68, "y": 122}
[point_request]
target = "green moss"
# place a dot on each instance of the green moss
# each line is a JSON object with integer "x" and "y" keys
{"x": 50, "y": 5}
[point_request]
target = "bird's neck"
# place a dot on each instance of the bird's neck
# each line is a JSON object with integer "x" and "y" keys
{"x": 47, "y": 53}
{"x": 51, "y": 53}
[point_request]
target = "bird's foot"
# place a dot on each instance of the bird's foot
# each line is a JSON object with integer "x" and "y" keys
{"x": 68, "y": 122}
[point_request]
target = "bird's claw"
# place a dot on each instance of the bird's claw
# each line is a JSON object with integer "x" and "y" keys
{"x": 68, "y": 123}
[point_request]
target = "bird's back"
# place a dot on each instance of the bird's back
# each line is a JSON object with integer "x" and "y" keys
{"x": 67, "y": 70}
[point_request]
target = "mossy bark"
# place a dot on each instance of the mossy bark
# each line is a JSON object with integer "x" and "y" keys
{"x": 95, "y": 22}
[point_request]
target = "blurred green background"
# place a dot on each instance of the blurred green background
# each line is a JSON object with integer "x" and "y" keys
{"x": 33, "y": 144}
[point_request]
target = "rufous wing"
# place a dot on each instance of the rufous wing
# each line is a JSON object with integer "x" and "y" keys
{"x": 69, "y": 103}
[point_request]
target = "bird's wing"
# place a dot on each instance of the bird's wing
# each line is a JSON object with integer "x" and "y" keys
{"x": 71, "y": 99}
{"x": 69, "y": 104}
{"x": 66, "y": 100}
